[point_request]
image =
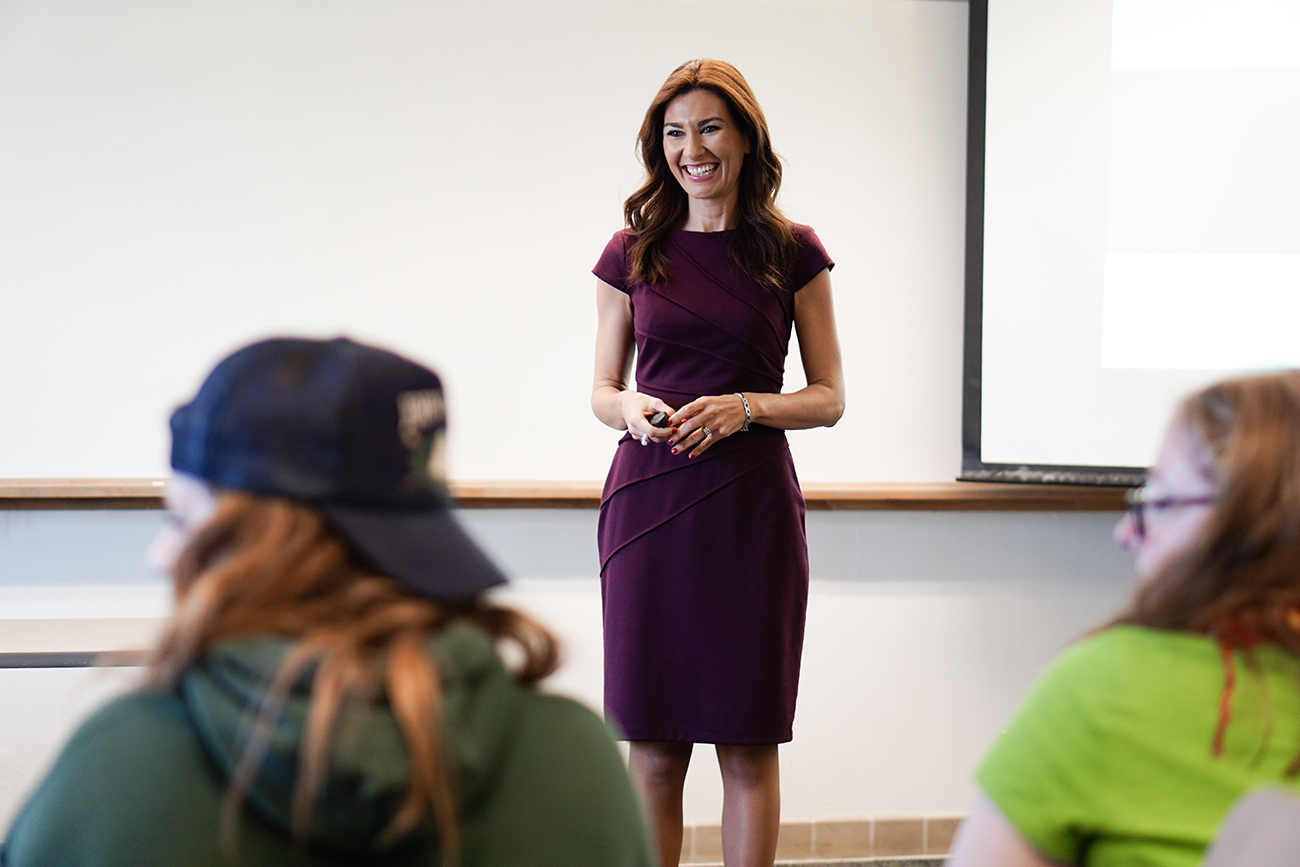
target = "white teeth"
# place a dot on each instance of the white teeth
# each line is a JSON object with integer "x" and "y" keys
{"x": 700, "y": 171}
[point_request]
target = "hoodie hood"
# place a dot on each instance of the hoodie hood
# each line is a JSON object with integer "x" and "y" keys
{"x": 368, "y": 771}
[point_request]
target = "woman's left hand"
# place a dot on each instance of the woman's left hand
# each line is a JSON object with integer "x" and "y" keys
{"x": 704, "y": 421}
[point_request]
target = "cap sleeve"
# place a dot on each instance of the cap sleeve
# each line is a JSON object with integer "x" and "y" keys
{"x": 612, "y": 264}
{"x": 812, "y": 257}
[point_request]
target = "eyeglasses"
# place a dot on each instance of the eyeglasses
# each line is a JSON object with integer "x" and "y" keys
{"x": 1141, "y": 499}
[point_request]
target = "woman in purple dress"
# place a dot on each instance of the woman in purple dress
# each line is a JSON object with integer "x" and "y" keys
{"x": 704, "y": 565}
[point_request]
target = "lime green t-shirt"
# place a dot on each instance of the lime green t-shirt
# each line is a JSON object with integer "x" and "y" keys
{"x": 1109, "y": 760}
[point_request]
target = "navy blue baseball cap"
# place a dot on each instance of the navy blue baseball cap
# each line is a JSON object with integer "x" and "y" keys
{"x": 352, "y": 429}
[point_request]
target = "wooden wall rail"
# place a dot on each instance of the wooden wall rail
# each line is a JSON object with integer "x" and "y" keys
{"x": 20, "y": 494}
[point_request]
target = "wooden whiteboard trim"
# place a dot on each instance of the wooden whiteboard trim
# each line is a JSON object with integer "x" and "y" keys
{"x": 28, "y": 494}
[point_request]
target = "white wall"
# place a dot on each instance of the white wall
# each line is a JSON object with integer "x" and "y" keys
{"x": 181, "y": 176}
{"x": 924, "y": 629}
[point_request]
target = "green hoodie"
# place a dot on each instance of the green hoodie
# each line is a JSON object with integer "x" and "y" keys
{"x": 142, "y": 782}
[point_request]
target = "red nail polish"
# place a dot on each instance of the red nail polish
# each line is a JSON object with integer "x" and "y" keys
{"x": 674, "y": 451}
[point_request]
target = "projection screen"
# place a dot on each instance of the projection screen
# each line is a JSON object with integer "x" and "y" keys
{"x": 1133, "y": 223}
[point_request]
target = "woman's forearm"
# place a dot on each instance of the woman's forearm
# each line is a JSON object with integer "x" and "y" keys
{"x": 815, "y": 405}
{"x": 607, "y": 404}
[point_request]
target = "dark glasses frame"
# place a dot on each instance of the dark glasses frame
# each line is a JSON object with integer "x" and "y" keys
{"x": 1141, "y": 499}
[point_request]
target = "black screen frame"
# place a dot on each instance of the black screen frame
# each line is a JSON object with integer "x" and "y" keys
{"x": 973, "y": 467}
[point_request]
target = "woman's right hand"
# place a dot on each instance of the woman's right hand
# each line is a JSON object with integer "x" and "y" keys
{"x": 636, "y": 409}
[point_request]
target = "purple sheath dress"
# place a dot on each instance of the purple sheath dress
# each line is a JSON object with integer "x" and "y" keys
{"x": 704, "y": 562}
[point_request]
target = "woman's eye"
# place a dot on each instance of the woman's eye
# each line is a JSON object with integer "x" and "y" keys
{"x": 672, "y": 133}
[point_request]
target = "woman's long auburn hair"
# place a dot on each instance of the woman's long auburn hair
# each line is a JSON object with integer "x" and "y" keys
{"x": 763, "y": 242}
{"x": 1242, "y": 575}
{"x": 270, "y": 566}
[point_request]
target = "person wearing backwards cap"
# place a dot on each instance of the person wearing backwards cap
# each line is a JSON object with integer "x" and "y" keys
{"x": 328, "y": 689}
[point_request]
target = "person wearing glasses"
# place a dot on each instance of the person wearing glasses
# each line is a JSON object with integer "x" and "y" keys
{"x": 1137, "y": 740}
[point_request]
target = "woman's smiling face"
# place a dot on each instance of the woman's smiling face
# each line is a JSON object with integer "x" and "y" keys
{"x": 704, "y": 148}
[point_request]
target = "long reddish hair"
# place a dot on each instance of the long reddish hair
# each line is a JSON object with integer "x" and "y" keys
{"x": 763, "y": 242}
{"x": 1244, "y": 569}
{"x": 269, "y": 566}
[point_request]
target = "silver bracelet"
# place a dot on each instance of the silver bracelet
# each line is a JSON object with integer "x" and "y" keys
{"x": 744, "y": 427}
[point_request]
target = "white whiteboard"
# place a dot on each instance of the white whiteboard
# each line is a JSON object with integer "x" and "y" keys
{"x": 178, "y": 177}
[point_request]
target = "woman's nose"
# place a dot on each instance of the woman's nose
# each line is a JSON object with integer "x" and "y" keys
{"x": 1125, "y": 533}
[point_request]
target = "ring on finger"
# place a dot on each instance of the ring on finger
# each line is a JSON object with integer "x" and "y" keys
{"x": 707, "y": 433}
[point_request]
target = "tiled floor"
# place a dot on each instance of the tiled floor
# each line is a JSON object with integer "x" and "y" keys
{"x": 840, "y": 842}
{"x": 921, "y": 861}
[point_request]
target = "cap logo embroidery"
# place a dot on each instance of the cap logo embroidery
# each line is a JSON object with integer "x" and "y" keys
{"x": 421, "y": 420}
{"x": 419, "y": 412}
